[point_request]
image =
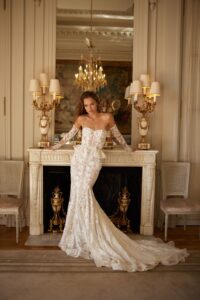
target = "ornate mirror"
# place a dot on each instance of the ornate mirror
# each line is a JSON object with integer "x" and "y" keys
{"x": 110, "y": 26}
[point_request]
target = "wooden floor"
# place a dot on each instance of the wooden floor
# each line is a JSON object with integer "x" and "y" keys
{"x": 189, "y": 239}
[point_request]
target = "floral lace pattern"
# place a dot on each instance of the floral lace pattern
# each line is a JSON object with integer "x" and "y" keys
{"x": 67, "y": 137}
{"x": 119, "y": 137}
{"x": 88, "y": 231}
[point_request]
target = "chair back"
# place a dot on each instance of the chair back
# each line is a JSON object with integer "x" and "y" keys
{"x": 11, "y": 177}
{"x": 175, "y": 179}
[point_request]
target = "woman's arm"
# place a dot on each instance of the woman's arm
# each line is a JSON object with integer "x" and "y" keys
{"x": 69, "y": 135}
{"x": 117, "y": 135}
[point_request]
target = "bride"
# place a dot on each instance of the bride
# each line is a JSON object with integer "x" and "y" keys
{"x": 88, "y": 231}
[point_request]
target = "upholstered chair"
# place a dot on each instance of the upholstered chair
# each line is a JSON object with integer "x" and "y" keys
{"x": 11, "y": 183}
{"x": 175, "y": 183}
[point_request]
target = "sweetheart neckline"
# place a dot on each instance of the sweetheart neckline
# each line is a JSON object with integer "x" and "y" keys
{"x": 94, "y": 129}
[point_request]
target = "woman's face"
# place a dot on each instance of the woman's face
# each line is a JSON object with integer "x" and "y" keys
{"x": 90, "y": 105}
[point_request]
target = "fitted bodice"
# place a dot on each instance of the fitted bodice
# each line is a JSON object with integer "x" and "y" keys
{"x": 93, "y": 138}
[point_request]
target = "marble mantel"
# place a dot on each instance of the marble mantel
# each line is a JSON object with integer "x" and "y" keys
{"x": 114, "y": 158}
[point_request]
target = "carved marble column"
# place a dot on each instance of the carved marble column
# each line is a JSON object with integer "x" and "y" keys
{"x": 148, "y": 195}
{"x": 36, "y": 209}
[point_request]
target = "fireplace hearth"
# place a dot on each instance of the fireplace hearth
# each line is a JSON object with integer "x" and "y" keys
{"x": 107, "y": 188}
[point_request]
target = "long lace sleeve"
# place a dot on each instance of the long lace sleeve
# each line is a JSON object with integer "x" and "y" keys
{"x": 67, "y": 137}
{"x": 119, "y": 137}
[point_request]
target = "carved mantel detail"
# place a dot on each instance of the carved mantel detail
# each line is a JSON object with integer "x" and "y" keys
{"x": 114, "y": 158}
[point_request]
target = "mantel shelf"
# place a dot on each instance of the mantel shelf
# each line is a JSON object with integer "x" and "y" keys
{"x": 116, "y": 156}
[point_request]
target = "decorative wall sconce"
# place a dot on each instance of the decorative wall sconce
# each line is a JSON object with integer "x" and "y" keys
{"x": 45, "y": 97}
{"x": 142, "y": 94}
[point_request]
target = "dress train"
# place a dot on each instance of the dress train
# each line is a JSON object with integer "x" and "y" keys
{"x": 89, "y": 233}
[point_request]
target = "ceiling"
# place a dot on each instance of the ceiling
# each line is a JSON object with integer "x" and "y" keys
{"x": 110, "y": 5}
{"x": 111, "y": 27}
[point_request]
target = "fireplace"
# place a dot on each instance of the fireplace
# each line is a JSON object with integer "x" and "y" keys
{"x": 107, "y": 188}
{"x": 145, "y": 161}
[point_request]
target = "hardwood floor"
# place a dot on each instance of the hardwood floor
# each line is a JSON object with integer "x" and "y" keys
{"x": 189, "y": 239}
{"x": 7, "y": 239}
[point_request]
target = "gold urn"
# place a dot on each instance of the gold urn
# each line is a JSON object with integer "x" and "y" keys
{"x": 57, "y": 221}
{"x": 120, "y": 217}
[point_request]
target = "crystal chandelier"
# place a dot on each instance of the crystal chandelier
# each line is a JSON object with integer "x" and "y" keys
{"x": 90, "y": 74}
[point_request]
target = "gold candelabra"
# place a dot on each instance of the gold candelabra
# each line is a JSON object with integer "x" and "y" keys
{"x": 45, "y": 97}
{"x": 142, "y": 94}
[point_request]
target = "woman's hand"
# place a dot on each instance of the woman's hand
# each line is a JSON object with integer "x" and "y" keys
{"x": 128, "y": 148}
{"x": 53, "y": 147}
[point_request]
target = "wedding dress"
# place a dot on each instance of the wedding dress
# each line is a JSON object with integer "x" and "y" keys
{"x": 88, "y": 231}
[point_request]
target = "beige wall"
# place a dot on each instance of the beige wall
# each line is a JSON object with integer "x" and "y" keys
{"x": 157, "y": 51}
{"x": 157, "y": 40}
{"x": 28, "y": 30}
{"x": 27, "y": 48}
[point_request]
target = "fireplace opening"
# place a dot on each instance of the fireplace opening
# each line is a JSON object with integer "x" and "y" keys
{"x": 107, "y": 188}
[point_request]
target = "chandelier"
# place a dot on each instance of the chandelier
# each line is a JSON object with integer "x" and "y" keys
{"x": 90, "y": 74}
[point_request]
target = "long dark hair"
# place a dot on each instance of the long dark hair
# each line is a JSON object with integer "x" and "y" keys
{"x": 80, "y": 110}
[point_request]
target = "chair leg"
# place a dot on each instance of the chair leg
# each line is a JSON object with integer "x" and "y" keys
{"x": 17, "y": 228}
{"x": 166, "y": 226}
{"x": 23, "y": 217}
{"x": 9, "y": 221}
{"x": 161, "y": 222}
{"x": 184, "y": 222}
{"x": 20, "y": 221}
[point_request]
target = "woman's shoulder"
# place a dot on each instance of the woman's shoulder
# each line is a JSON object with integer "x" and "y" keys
{"x": 107, "y": 116}
{"x": 79, "y": 120}
{"x": 108, "y": 119}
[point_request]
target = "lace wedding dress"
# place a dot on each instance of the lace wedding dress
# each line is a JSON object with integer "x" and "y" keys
{"x": 88, "y": 231}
